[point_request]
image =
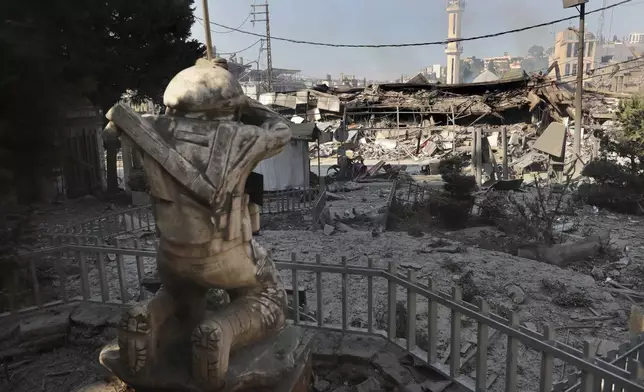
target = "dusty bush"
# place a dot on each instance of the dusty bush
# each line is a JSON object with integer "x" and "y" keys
{"x": 138, "y": 182}
{"x": 613, "y": 198}
{"x": 469, "y": 289}
{"x": 563, "y": 297}
{"x": 527, "y": 217}
{"x": 617, "y": 188}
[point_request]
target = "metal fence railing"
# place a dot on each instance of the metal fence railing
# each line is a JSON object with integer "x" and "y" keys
{"x": 411, "y": 192}
{"x": 112, "y": 224}
{"x": 113, "y": 274}
{"x": 142, "y": 218}
{"x": 290, "y": 200}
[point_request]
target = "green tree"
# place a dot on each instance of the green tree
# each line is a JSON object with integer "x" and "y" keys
{"x": 491, "y": 67}
{"x": 536, "y": 51}
{"x": 628, "y": 140}
{"x": 96, "y": 49}
{"x": 466, "y": 72}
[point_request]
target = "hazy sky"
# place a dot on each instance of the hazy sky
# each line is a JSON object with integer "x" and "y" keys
{"x": 399, "y": 21}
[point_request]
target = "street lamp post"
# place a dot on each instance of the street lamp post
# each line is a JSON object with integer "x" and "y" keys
{"x": 206, "y": 23}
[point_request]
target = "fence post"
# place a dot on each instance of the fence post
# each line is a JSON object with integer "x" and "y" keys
{"x": 318, "y": 284}
{"x": 587, "y": 378}
{"x": 62, "y": 277}
{"x": 296, "y": 291}
{"x": 479, "y": 156}
{"x": 391, "y": 302}
{"x": 481, "y": 349}
{"x": 504, "y": 141}
{"x": 634, "y": 367}
{"x": 105, "y": 293}
{"x": 547, "y": 360}
{"x": 345, "y": 301}
{"x": 370, "y": 297}
{"x": 121, "y": 271}
{"x": 140, "y": 269}
{"x": 512, "y": 355}
{"x": 411, "y": 309}
{"x": 83, "y": 267}
{"x": 473, "y": 153}
{"x": 455, "y": 338}
{"x": 34, "y": 277}
{"x": 432, "y": 323}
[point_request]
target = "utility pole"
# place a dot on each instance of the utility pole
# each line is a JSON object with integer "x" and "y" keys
{"x": 206, "y": 25}
{"x": 269, "y": 58}
{"x": 576, "y": 144}
{"x": 580, "y": 81}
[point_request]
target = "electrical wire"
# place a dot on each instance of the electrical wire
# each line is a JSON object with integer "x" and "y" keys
{"x": 440, "y": 42}
{"x": 232, "y": 29}
{"x": 241, "y": 50}
{"x": 572, "y": 78}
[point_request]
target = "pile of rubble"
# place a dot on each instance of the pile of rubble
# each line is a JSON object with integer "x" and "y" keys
{"x": 382, "y": 139}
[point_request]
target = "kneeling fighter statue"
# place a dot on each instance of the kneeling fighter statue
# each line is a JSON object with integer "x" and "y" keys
{"x": 197, "y": 159}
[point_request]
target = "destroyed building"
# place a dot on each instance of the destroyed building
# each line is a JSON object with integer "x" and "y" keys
{"x": 422, "y": 122}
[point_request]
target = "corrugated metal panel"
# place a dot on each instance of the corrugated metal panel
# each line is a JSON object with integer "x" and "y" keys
{"x": 288, "y": 169}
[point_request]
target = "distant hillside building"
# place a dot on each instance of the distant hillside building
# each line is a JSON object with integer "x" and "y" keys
{"x": 636, "y": 38}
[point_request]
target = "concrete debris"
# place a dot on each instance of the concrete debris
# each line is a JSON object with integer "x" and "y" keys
{"x": 328, "y": 229}
{"x": 370, "y": 385}
{"x": 321, "y": 386}
{"x": 424, "y": 123}
{"x": 562, "y": 254}
{"x": 516, "y": 294}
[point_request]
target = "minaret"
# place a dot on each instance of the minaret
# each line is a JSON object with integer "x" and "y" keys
{"x": 454, "y": 49}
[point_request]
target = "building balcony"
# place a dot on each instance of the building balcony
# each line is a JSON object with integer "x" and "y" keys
{"x": 454, "y": 48}
{"x": 455, "y": 5}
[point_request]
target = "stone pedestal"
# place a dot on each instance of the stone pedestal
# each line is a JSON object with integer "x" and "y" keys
{"x": 280, "y": 363}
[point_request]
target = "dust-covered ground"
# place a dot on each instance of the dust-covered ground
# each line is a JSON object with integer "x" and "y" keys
{"x": 576, "y": 301}
{"x": 562, "y": 298}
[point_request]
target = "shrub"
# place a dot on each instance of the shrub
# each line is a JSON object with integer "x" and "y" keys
{"x": 137, "y": 181}
{"x": 617, "y": 188}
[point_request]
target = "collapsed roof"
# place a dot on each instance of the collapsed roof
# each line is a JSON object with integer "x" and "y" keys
{"x": 459, "y": 100}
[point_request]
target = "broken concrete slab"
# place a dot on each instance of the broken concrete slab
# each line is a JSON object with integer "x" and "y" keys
{"x": 45, "y": 323}
{"x": 428, "y": 386}
{"x": 102, "y": 386}
{"x": 562, "y": 254}
{"x": 344, "y": 228}
{"x": 321, "y": 386}
{"x": 389, "y": 365}
{"x": 359, "y": 349}
{"x": 96, "y": 316}
{"x": 516, "y": 294}
{"x": 334, "y": 196}
{"x": 552, "y": 140}
{"x": 328, "y": 229}
{"x": 369, "y": 385}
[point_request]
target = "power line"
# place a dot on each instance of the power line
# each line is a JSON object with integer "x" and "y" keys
{"x": 441, "y": 42}
{"x": 592, "y": 76}
{"x": 242, "y": 50}
{"x": 231, "y": 29}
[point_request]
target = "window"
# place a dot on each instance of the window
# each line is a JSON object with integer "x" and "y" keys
{"x": 453, "y": 76}
{"x": 567, "y": 70}
{"x": 574, "y": 69}
{"x": 587, "y": 67}
{"x": 575, "y": 49}
{"x": 453, "y": 23}
{"x": 569, "y": 50}
{"x": 591, "y": 46}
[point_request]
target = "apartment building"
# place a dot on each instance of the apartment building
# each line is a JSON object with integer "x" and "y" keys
{"x": 566, "y": 50}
